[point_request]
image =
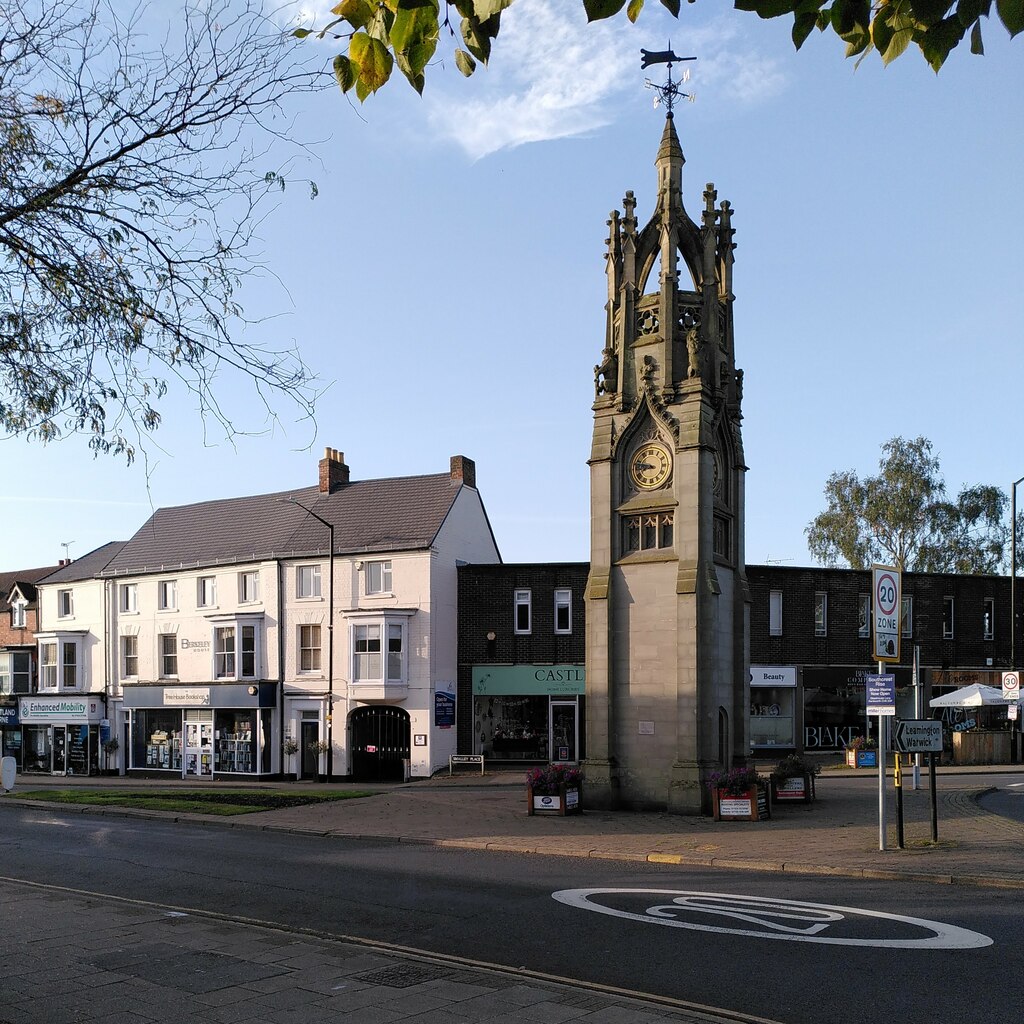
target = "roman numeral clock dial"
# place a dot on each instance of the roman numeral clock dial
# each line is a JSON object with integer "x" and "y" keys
{"x": 650, "y": 466}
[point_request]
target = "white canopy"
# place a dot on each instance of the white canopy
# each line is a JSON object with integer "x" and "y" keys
{"x": 974, "y": 696}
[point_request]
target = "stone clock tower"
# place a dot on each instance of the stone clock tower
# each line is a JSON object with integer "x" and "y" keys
{"x": 667, "y": 596}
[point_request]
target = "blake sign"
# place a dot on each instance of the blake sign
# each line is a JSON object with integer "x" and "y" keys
{"x": 886, "y": 589}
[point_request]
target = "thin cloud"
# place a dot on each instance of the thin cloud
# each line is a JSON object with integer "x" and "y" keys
{"x": 553, "y": 76}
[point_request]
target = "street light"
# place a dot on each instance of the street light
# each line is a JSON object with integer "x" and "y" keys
{"x": 1013, "y": 573}
{"x": 330, "y": 637}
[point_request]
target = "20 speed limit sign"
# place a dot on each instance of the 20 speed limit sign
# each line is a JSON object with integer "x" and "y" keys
{"x": 885, "y": 612}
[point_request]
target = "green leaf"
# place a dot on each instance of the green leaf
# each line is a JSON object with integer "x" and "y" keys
{"x": 672, "y": 6}
{"x": 852, "y": 18}
{"x": 634, "y": 9}
{"x": 803, "y": 25}
{"x": 344, "y": 72}
{"x": 477, "y": 36}
{"x": 356, "y": 12}
{"x": 768, "y": 8}
{"x": 464, "y": 62}
{"x": 938, "y": 42}
{"x": 372, "y": 61}
{"x": 977, "y": 46}
{"x": 486, "y": 9}
{"x": 1011, "y": 14}
{"x": 415, "y": 22}
{"x": 301, "y": 33}
{"x": 598, "y": 9}
{"x": 969, "y": 11}
{"x": 930, "y": 12}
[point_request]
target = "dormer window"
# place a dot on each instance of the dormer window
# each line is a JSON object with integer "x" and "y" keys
{"x": 19, "y": 614}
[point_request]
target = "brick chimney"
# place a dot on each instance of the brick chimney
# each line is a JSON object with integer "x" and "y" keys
{"x": 333, "y": 471}
{"x": 463, "y": 471}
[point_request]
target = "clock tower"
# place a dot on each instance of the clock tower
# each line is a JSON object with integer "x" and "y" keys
{"x": 667, "y": 596}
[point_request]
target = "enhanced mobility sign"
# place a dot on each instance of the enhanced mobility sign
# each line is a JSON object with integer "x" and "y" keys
{"x": 886, "y": 593}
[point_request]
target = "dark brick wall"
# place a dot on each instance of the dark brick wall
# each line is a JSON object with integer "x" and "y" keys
{"x": 486, "y": 605}
{"x": 842, "y": 646}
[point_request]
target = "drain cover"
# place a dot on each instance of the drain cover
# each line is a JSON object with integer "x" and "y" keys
{"x": 403, "y": 975}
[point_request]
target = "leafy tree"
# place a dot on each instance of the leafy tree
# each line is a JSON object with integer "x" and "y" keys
{"x": 903, "y": 517}
{"x": 383, "y": 33}
{"x": 129, "y": 196}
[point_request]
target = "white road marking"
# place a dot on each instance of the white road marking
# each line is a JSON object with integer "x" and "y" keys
{"x": 790, "y": 920}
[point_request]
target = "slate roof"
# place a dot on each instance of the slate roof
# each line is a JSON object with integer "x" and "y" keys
{"x": 28, "y": 578}
{"x": 395, "y": 514}
{"x": 88, "y": 566}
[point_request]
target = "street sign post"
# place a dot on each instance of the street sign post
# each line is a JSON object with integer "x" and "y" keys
{"x": 886, "y": 592}
{"x": 1011, "y": 685}
{"x": 917, "y": 736}
{"x": 880, "y": 694}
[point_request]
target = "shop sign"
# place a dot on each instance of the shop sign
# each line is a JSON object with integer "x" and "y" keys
{"x": 67, "y": 709}
{"x": 444, "y": 709}
{"x": 186, "y": 696}
{"x": 528, "y": 680}
{"x": 193, "y": 645}
{"x": 8, "y": 714}
{"x": 773, "y": 675}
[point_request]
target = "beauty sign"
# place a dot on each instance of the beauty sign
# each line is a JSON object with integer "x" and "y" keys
{"x": 886, "y": 587}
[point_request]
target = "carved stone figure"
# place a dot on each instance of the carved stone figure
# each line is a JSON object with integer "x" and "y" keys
{"x": 693, "y": 351}
{"x": 606, "y": 373}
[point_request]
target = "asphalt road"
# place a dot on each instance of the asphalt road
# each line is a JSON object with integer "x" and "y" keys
{"x": 719, "y": 938}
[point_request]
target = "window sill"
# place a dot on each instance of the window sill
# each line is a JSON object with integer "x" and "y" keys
{"x": 379, "y": 691}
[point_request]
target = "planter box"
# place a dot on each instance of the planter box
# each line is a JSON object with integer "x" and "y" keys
{"x": 796, "y": 789}
{"x": 857, "y": 758}
{"x": 754, "y": 805}
{"x": 568, "y": 800}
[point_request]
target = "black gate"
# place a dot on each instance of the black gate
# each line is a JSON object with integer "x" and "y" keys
{"x": 380, "y": 744}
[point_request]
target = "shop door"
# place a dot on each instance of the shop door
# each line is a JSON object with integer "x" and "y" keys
{"x": 380, "y": 744}
{"x": 310, "y": 757}
{"x": 199, "y": 744}
{"x": 60, "y": 750}
{"x": 563, "y": 739}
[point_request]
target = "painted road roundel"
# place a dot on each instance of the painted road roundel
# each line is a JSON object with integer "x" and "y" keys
{"x": 761, "y": 917}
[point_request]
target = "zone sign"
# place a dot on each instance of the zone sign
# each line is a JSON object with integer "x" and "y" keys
{"x": 886, "y": 592}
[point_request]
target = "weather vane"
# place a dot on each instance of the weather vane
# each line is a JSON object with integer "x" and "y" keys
{"x": 670, "y": 91}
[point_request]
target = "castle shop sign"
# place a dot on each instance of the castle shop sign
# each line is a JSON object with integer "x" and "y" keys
{"x": 529, "y": 680}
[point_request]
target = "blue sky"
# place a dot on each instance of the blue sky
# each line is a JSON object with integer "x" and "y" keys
{"x": 448, "y": 282}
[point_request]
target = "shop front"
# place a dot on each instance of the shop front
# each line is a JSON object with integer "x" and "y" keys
{"x": 835, "y": 703}
{"x": 60, "y": 735}
{"x": 528, "y": 712}
{"x": 201, "y": 731}
{"x": 773, "y": 707}
{"x": 10, "y": 729}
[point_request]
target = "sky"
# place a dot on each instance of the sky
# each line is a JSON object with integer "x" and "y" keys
{"x": 447, "y": 284}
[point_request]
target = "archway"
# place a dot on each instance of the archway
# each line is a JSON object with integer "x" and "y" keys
{"x": 380, "y": 743}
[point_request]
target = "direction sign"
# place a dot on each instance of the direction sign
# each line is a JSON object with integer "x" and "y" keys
{"x": 1011, "y": 685}
{"x": 886, "y": 588}
{"x": 880, "y": 694}
{"x": 917, "y": 736}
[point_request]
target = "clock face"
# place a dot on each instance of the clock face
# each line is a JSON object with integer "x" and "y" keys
{"x": 650, "y": 466}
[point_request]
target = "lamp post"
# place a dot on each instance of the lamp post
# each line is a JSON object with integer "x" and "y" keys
{"x": 1013, "y": 573}
{"x": 330, "y": 636}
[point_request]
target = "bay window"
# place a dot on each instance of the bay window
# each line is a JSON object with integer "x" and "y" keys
{"x": 380, "y": 650}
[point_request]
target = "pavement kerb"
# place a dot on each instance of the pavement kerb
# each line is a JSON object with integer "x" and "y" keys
{"x": 966, "y": 800}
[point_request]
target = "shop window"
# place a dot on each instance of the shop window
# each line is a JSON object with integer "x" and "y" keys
{"x": 168, "y": 656}
{"x": 156, "y": 739}
{"x": 820, "y": 614}
{"x": 864, "y": 615}
{"x": 563, "y": 611}
{"x": 947, "y": 618}
{"x": 309, "y": 648}
{"x": 988, "y": 621}
{"x": 775, "y": 613}
{"x": 523, "y": 611}
{"x": 235, "y": 743}
{"x": 248, "y": 587}
{"x": 129, "y": 598}
{"x": 167, "y": 595}
{"x": 907, "y": 616}
{"x": 512, "y": 728}
{"x": 65, "y": 605}
{"x": 307, "y": 581}
{"x": 206, "y": 592}
{"x": 129, "y": 657}
{"x": 377, "y": 577}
